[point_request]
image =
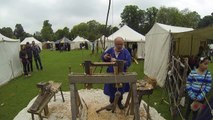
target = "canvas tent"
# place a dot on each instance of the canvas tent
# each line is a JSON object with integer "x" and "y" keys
{"x": 63, "y": 40}
{"x": 10, "y": 63}
{"x": 30, "y": 40}
{"x": 61, "y": 43}
{"x": 48, "y": 45}
{"x": 158, "y": 47}
{"x": 129, "y": 36}
{"x": 76, "y": 42}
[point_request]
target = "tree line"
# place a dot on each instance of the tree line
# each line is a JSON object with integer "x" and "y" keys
{"x": 136, "y": 18}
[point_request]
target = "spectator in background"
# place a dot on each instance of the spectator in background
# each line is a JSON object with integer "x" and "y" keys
{"x": 134, "y": 49}
{"x": 81, "y": 45}
{"x": 36, "y": 50}
{"x": 24, "y": 59}
{"x": 129, "y": 49}
{"x": 97, "y": 47}
{"x": 211, "y": 55}
{"x": 28, "y": 49}
{"x": 93, "y": 47}
{"x": 86, "y": 45}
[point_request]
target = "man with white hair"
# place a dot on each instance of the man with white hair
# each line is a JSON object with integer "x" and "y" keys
{"x": 118, "y": 52}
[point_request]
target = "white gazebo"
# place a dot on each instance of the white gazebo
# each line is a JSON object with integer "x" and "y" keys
{"x": 76, "y": 42}
{"x": 30, "y": 40}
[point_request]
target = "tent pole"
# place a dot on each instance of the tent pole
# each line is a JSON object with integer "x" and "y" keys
{"x": 109, "y": 5}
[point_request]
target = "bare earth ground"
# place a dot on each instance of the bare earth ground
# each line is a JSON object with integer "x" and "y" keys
{"x": 94, "y": 99}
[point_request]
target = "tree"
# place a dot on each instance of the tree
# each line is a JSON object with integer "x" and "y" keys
{"x": 58, "y": 34}
{"x": 66, "y": 32}
{"x": 173, "y": 16}
{"x": 206, "y": 21}
{"x": 91, "y": 30}
{"x": 19, "y": 32}
{"x": 37, "y": 35}
{"x": 131, "y": 17}
{"x": 80, "y": 29}
{"x": 7, "y": 31}
{"x": 137, "y": 19}
{"x": 47, "y": 31}
{"x": 169, "y": 16}
{"x": 190, "y": 19}
{"x": 148, "y": 19}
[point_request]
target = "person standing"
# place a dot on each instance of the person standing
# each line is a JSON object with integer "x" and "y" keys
{"x": 24, "y": 60}
{"x": 197, "y": 86}
{"x": 36, "y": 50}
{"x": 118, "y": 52}
{"x": 30, "y": 57}
{"x": 134, "y": 50}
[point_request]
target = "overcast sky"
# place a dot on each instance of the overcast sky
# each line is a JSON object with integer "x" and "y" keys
{"x": 61, "y": 13}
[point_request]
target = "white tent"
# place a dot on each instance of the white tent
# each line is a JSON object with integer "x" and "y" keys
{"x": 10, "y": 63}
{"x": 157, "y": 50}
{"x": 30, "y": 40}
{"x": 129, "y": 35}
{"x": 76, "y": 42}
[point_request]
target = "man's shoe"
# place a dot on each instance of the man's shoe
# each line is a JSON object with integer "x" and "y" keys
{"x": 109, "y": 107}
{"x": 121, "y": 106}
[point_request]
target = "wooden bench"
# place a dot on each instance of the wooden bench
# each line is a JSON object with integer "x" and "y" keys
{"x": 48, "y": 90}
{"x": 144, "y": 88}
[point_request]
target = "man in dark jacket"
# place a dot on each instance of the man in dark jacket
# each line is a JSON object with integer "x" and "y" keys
{"x": 30, "y": 57}
{"x": 36, "y": 50}
{"x": 23, "y": 57}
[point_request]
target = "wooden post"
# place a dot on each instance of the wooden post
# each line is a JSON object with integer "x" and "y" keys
{"x": 135, "y": 100}
{"x": 87, "y": 65}
{"x": 128, "y": 97}
{"x": 62, "y": 94}
{"x": 132, "y": 103}
{"x": 73, "y": 101}
{"x": 120, "y": 64}
{"x": 100, "y": 79}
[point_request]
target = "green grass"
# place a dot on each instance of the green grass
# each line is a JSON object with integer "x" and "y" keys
{"x": 17, "y": 93}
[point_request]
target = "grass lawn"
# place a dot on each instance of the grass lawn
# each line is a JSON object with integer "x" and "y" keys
{"x": 17, "y": 93}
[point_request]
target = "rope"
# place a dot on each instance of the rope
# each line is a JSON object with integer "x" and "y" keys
{"x": 112, "y": 13}
{"x": 115, "y": 73}
{"x": 116, "y": 81}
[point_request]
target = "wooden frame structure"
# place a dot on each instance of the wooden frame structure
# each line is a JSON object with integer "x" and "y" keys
{"x": 175, "y": 84}
{"x": 102, "y": 79}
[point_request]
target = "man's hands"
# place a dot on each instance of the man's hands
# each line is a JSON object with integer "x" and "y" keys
{"x": 107, "y": 56}
{"x": 113, "y": 60}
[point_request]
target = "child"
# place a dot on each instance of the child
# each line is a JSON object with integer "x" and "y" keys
{"x": 197, "y": 86}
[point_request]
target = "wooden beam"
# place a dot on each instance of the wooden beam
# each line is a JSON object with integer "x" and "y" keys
{"x": 136, "y": 103}
{"x": 103, "y": 78}
{"x": 73, "y": 102}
